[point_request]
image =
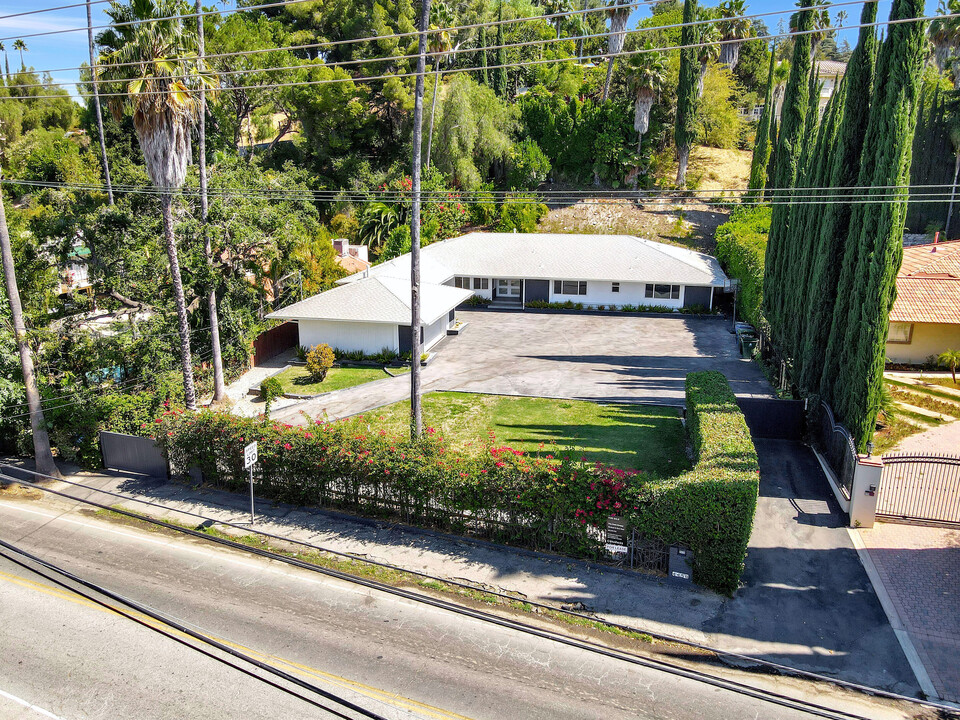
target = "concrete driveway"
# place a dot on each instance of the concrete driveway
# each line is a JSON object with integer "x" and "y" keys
{"x": 595, "y": 356}
{"x": 590, "y": 356}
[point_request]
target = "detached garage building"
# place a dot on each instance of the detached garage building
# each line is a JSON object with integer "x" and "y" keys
{"x": 513, "y": 269}
{"x": 373, "y": 313}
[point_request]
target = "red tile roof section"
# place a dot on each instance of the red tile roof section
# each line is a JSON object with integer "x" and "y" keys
{"x": 928, "y": 285}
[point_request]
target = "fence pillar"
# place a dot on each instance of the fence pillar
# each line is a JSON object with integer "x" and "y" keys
{"x": 863, "y": 494}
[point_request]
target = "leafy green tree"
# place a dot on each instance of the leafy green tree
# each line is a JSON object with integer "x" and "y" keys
{"x": 439, "y": 44}
{"x": 473, "y": 132}
{"x": 763, "y": 144}
{"x": 945, "y": 33}
{"x": 831, "y": 280}
{"x": 163, "y": 99}
{"x": 319, "y": 360}
{"x": 777, "y": 308}
{"x": 720, "y": 122}
{"x": 877, "y": 228}
{"x": 528, "y": 166}
{"x": 685, "y": 130}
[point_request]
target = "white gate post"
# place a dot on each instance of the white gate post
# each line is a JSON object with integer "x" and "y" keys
{"x": 863, "y": 494}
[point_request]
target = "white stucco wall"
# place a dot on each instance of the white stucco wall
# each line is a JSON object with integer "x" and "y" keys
{"x": 368, "y": 337}
{"x": 599, "y": 292}
{"x": 488, "y": 293}
{"x": 435, "y": 332}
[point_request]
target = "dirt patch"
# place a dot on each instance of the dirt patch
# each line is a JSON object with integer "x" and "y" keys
{"x": 691, "y": 223}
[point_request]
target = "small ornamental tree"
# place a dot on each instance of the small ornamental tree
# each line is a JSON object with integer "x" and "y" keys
{"x": 270, "y": 389}
{"x": 950, "y": 359}
{"x": 319, "y": 360}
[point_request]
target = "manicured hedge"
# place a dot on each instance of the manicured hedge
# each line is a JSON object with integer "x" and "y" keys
{"x": 543, "y": 501}
{"x": 711, "y": 507}
{"x": 741, "y": 247}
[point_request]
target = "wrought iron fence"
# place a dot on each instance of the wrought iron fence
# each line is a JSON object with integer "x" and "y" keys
{"x": 920, "y": 487}
{"x": 834, "y": 442}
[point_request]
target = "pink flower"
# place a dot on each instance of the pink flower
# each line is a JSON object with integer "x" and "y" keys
{"x": 287, "y": 446}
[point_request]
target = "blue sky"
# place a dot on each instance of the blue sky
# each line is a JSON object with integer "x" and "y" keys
{"x": 69, "y": 50}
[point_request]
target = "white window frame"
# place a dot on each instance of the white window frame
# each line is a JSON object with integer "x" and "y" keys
{"x": 570, "y": 287}
{"x": 654, "y": 291}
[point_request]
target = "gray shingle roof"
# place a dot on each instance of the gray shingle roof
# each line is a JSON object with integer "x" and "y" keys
{"x": 619, "y": 258}
{"x": 374, "y": 299}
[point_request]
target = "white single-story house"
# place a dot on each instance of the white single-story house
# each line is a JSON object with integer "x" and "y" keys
{"x": 609, "y": 270}
{"x": 373, "y": 314}
{"x": 370, "y": 310}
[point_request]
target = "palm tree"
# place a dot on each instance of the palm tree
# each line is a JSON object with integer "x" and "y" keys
{"x": 20, "y": 45}
{"x": 439, "y": 45}
{"x": 3, "y": 49}
{"x": 734, "y": 29}
{"x": 164, "y": 99}
{"x": 950, "y": 359}
{"x": 646, "y": 72}
{"x": 219, "y": 390}
{"x": 41, "y": 440}
{"x": 709, "y": 51}
{"x": 94, "y": 79}
{"x": 619, "y": 12}
{"x": 555, "y": 7}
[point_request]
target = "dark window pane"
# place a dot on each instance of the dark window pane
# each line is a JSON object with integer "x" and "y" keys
{"x": 557, "y": 287}
{"x": 615, "y": 287}
{"x": 675, "y": 294}
{"x": 583, "y": 287}
{"x": 649, "y": 291}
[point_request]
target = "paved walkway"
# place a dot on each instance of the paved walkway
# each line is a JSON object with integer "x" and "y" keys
{"x": 242, "y": 403}
{"x": 613, "y": 358}
{"x": 805, "y": 602}
{"x": 920, "y": 570}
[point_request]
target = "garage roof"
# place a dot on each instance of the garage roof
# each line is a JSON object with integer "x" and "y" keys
{"x": 618, "y": 258}
{"x": 375, "y": 299}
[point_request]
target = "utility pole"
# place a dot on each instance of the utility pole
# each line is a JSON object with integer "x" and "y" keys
{"x": 96, "y": 107}
{"x": 416, "y": 410}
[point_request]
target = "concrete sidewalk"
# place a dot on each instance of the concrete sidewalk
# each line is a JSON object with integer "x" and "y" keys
{"x": 806, "y": 601}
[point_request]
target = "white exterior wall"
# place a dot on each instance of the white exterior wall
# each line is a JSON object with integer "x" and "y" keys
{"x": 599, "y": 293}
{"x": 488, "y": 293}
{"x": 435, "y": 332}
{"x": 368, "y": 337}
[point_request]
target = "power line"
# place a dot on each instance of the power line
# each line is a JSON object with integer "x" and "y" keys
{"x": 530, "y": 63}
{"x": 52, "y": 9}
{"x": 360, "y": 61}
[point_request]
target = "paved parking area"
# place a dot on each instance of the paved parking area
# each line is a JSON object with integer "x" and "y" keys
{"x": 563, "y": 355}
{"x": 590, "y": 356}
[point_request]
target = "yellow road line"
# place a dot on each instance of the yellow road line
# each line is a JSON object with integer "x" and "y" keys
{"x": 373, "y": 693}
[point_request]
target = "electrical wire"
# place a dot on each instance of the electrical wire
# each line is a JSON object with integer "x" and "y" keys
{"x": 439, "y": 53}
{"x": 178, "y": 627}
{"x": 529, "y": 63}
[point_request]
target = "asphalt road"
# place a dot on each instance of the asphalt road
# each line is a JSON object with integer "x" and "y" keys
{"x": 73, "y": 659}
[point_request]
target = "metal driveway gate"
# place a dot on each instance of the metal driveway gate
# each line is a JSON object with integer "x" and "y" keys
{"x": 132, "y": 454}
{"x": 920, "y": 488}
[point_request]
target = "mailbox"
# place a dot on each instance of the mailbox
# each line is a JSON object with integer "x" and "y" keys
{"x": 680, "y": 569}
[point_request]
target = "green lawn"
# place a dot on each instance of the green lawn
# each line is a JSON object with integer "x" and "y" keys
{"x": 639, "y": 437}
{"x": 297, "y": 380}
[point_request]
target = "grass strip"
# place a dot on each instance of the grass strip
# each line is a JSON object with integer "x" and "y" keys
{"x": 923, "y": 389}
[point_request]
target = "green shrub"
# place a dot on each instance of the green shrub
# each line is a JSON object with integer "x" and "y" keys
{"x": 483, "y": 209}
{"x": 270, "y": 389}
{"x": 532, "y": 500}
{"x": 319, "y": 360}
{"x": 521, "y": 213}
{"x": 741, "y": 247}
{"x": 527, "y": 166}
{"x": 477, "y": 301}
{"x": 302, "y": 351}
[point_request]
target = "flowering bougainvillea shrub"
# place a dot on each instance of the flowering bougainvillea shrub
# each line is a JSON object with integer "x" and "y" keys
{"x": 540, "y": 500}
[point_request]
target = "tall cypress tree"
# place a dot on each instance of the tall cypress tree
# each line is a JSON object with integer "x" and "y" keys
{"x": 482, "y": 39}
{"x": 763, "y": 145}
{"x": 818, "y": 371}
{"x": 500, "y": 72}
{"x": 685, "y": 129}
{"x": 772, "y": 164}
{"x": 877, "y": 228}
{"x": 789, "y": 147}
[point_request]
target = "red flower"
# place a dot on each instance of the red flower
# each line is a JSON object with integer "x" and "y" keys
{"x": 287, "y": 446}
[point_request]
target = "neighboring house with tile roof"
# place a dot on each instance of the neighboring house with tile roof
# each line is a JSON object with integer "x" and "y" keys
{"x": 371, "y": 310}
{"x": 352, "y": 258}
{"x": 925, "y": 318}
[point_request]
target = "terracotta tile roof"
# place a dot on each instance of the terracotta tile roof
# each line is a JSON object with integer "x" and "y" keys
{"x": 352, "y": 264}
{"x": 928, "y": 285}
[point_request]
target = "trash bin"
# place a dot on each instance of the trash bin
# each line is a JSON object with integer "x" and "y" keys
{"x": 748, "y": 345}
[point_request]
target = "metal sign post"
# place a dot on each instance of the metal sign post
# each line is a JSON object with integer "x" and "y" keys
{"x": 249, "y": 460}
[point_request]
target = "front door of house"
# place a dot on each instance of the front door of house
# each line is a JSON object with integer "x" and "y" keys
{"x": 508, "y": 290}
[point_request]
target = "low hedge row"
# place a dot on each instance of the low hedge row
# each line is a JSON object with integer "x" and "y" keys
{"x": 542, "y": 500}
{"x": 741, "y": 248}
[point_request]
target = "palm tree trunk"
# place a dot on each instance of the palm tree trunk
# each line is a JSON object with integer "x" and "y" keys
{"x": 606, "y": 84}
{"x": 41, "y": 440}
{"x": 433, "y": 110}
{"x": 219, "y": 391}
{"x": 96, "y": 107}
{"x": 953, "y": 196}
{"x": 183, "y": 325}
{"x": 416, "y": 409}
